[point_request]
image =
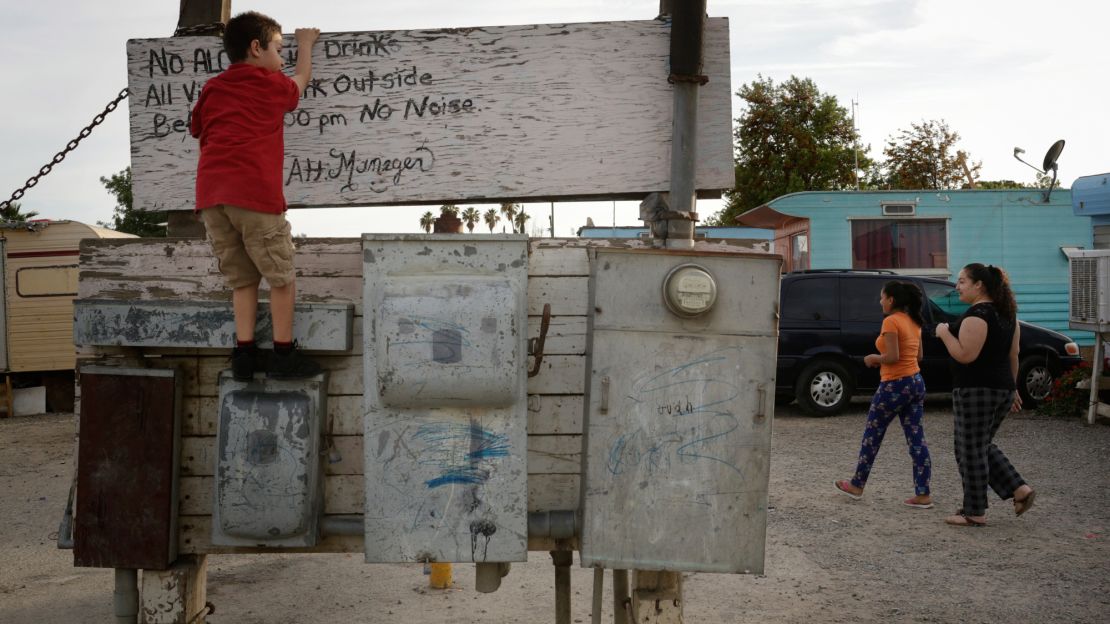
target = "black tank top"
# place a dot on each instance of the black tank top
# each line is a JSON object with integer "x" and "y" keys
{"x": 992, "y": 368}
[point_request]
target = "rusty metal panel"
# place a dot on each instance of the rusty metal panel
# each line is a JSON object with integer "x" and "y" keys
{"x": 269, "y": 489}
{"x": 203, "y": 324}
{"x": 127, "y": 467}
{"x": 446, "y": 399}
{"x": 678, "y": 423}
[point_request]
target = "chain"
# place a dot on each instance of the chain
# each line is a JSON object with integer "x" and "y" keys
{"x": 60, "y": 156}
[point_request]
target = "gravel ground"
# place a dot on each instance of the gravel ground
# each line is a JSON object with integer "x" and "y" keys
{"x": 829, "y": 559}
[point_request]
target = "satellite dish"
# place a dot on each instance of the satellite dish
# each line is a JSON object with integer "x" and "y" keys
{"x": 1053, "y": 155}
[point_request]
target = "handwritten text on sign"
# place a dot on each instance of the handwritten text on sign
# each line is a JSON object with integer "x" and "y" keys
{"x": 508, "y": 112}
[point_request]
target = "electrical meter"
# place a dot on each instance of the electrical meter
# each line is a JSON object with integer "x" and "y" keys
{"x": 689, "y": 290}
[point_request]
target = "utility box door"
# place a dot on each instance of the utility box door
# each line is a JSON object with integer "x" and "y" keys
{"x": 445, "y": 400}
{"x": 127, "y": 468}
{"x": 678, "y": 427}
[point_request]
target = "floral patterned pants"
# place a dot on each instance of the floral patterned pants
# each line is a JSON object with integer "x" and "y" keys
{"x": 904, "y": 398}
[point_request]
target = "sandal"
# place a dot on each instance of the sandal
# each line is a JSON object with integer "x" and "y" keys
{"x": 1025, "y": 504}
{"x": 963, "y": 521}
{"x": 912, "y": 502}
{"x": 842, "y": 487}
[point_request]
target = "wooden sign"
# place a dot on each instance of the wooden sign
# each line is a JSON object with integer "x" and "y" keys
{"x": 536, "y": 112}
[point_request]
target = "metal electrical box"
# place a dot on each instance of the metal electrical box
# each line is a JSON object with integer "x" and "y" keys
{"x": 127, "y": 468}
{"x": 445, "y": 397}
{"x": 680, "y": 397}
{"x": 269, "y": 477}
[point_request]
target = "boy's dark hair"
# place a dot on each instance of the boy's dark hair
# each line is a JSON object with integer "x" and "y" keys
{"x": 244, "y": 28}
{"x": 907, "y": 298}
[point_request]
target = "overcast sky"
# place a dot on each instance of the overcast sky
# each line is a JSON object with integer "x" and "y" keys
{"x": 1002, "y": 74}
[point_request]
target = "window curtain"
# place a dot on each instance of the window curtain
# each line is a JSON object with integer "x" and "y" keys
{"x": 894, "y": 244}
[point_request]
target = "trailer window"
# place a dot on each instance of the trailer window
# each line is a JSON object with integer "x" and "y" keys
{"x": 51, "y": 281}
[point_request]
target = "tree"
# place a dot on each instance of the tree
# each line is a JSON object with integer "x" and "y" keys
{"x": 12, "y": 213}
{"x": 790, "y": 138}
{"x": 449, "y": 209}
{"x": 125, "y": 218}
{"x": 491, "y": 217}
{"x": 924, "y": 156}
{"x": 470, "y": 216}
{"x": 427, "y": 220}
{"x": 520, "y": 219}
{"x": 509, "y": 209}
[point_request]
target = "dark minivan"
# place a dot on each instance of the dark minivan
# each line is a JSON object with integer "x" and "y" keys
{"x": 829, "y": 321}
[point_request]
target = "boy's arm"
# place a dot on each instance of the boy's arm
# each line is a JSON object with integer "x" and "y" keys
{"x": 306, "y": 38}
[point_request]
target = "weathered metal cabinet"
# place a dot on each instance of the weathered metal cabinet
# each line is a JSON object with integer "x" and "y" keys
{"x": 679, "y": 406}
{"x": 445, "y": 397}
{"x": 269, "y": 478}
{"x": 127, "y": 460}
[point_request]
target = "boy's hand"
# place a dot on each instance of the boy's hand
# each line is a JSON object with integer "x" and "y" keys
{"x": 306, "y": 36}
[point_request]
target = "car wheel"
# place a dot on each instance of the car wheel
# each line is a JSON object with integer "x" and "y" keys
{"x": 1034, "y": 380}
{"x": 824, "y": 388}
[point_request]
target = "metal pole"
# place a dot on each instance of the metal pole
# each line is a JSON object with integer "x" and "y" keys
{"x": 855, "y": 143}
{"x": 1096, "y": 375}
{"x": 620, "y": 596}
{"x": 125, "y": 598}
{"x": 687, "y": 32}
{"x": 599, "y": 588}
{"x": 562, "y": 559}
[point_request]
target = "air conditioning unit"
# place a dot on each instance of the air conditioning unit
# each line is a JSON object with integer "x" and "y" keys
{"x": 1089, "y": 290}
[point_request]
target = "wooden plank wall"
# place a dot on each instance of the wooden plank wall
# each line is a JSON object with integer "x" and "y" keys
{"x": 330, "y": 270}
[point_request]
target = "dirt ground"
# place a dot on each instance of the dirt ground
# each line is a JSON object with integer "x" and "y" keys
{"x": 829, "y": 559}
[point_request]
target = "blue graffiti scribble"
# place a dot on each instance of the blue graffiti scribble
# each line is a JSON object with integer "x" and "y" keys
{"x": 443, "y": 449}
{"x": 691, "y": 417}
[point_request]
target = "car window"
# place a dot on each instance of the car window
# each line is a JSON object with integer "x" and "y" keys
{"x": 859, "y": 300}
{"x": 810, "y": 300}
{"x": 943, "y": 295}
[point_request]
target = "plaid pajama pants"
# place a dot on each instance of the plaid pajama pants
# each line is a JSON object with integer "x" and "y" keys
{"x": 978, "y": 414}
{"x": 904, "y": 398}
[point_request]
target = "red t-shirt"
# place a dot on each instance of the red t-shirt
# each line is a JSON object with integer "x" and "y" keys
{"x": 239, "y": 119}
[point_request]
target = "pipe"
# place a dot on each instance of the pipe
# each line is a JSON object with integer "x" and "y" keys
{"x": 342, "y": 525}
{"x": 487, "y": 576}
{"x": 560, "y": 524}
{"x": 562, "y": 560}
{"x": 125, "y": 598}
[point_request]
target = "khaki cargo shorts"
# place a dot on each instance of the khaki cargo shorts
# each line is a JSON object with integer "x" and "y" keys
{"x": 250, "y": 245}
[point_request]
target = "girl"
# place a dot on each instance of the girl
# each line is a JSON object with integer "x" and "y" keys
{"x": 901, "y": 392}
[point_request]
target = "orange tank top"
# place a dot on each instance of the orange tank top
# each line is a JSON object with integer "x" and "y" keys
{"x": 909, "y": 345}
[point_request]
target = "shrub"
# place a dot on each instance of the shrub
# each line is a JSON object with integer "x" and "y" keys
{"x": 1065, "y": 400}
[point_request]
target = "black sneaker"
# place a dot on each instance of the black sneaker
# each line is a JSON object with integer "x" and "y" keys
{"x": 292, "y": 365}
{"x": 243, "y": 362}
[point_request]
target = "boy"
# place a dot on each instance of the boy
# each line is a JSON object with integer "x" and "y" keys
{"x": 239, "y": 119}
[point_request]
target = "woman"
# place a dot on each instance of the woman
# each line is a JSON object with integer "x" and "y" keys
{"x": 984, "y": 347}
{"x": 901, "y": 392}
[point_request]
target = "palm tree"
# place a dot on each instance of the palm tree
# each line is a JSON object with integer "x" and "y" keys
{"x": 491, "y": 218}
{"x": 427, "y": 220}
{"x": 521, "y": 217}
{"x": 449, "y": 209}
{"x": 11, "y": 213}
{"x": 509, "y": 209}
{"x": 470, "y": 217}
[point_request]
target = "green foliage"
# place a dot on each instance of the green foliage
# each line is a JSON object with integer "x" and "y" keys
{"x": 1065, "y": 400}
{"x": 470, "y": 216}
{"x": 427, "y": 221}
{"x": 491, "y": 217}
{"x": 448, "y": 209}
{"x": 924, "y": 156}
{"x": 509, "y": 209}
{"x": 520, "y": 219}
{"x": 790, "y": 138}
{"x": 125, "y": 218}
{"x": 12, "y": 212}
